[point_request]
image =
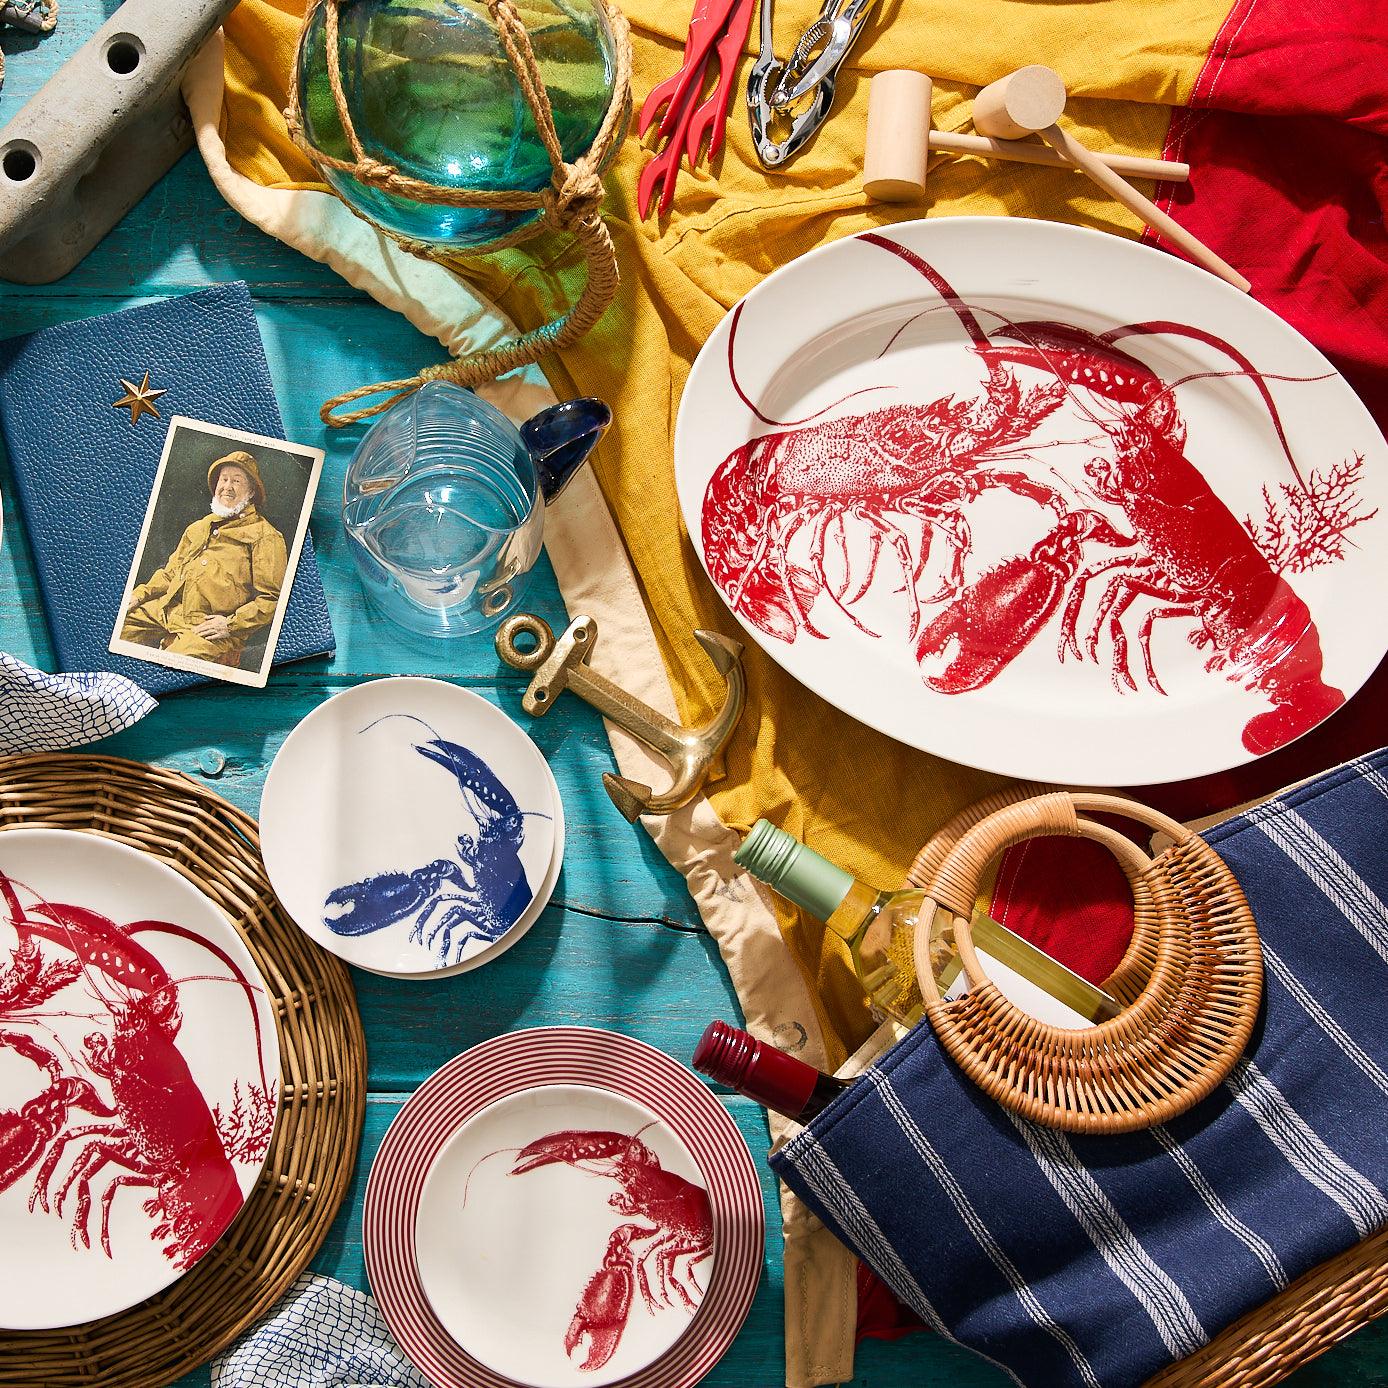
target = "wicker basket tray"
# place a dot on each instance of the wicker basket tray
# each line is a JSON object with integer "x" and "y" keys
{"x": 323, "y": 1058}
{"x": 1316, "y": 1312}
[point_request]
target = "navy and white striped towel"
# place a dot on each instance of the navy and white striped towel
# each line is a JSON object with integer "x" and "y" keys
{"x": 1097, "y": 1260}
{"x": 324, "y": 1334}
{"x": 46, "y": 713}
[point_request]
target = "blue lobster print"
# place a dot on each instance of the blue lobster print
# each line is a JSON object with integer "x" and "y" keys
{"x": 480, "y": 896}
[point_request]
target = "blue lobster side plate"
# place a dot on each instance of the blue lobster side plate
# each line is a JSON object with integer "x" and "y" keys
{"x": 409, "y": 826}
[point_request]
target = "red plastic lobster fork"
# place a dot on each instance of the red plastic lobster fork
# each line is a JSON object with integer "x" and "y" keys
{"x": 717, "y": 30}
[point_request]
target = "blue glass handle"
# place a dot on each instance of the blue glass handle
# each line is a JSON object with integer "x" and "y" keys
{"x": 561, "y": 438}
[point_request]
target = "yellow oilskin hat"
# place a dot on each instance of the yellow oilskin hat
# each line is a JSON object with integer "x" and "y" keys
{"x": 247, "y": 465}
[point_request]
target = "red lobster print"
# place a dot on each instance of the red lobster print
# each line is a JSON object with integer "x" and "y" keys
{"x": 1186, "y": 550}
{"x": 680, "y": 1225}
{"x": 160, "y": 1133}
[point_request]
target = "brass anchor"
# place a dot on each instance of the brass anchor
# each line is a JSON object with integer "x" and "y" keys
{"x": 563, "y": 664}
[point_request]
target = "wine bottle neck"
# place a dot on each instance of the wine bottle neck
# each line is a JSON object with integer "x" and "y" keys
{"x": 797, "y": 872}
{"x": 769, "y": 1076}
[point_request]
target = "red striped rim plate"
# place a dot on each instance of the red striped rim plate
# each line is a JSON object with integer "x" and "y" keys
{"x": 549, "y": 1056}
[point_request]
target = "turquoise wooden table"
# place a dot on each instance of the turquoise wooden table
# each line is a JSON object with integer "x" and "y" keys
{"x": 621, "y": 945}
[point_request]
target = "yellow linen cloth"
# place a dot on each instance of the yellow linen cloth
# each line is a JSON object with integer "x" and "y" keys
{"x": 858, "y": 797}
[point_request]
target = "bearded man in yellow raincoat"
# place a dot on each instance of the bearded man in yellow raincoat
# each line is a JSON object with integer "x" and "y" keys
{"x": 222, "y": 582}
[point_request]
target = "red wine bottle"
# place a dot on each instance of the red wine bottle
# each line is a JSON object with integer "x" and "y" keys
{"x": 774, "y": 1079}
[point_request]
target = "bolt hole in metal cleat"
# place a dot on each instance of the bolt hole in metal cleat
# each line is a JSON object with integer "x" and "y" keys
{"x": 89, "y": 144}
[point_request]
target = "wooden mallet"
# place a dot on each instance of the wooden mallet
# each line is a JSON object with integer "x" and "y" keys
{"x": 900, "y": 141}
{"x": 1031, "y": 100}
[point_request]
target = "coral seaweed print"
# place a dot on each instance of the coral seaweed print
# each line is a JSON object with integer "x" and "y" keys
{"x": 1078, "y": 519}
{"x": 470, "y": 894}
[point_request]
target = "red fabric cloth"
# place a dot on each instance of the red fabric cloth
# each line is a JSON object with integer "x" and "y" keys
{"x": 1287, "y": 138}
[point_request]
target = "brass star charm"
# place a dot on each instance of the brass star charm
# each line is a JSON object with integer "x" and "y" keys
{"x": 138, "y": 399}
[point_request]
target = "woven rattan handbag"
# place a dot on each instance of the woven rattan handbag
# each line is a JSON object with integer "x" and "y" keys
{"x": 1191, "y": 978}
{"x": 1202, "y": 1249}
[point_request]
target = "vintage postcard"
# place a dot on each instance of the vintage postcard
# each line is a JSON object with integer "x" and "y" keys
{"x": 212, "y": 570}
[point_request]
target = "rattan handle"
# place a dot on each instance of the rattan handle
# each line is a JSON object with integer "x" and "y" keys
{"x": 960, "y": 875}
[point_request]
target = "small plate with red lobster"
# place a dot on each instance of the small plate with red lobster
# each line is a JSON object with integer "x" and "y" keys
{"x": 411, "y": 827}
{"x": 139, "y": 1076}
{"x": 1039, "y": 499}
{"x": 500, "y": 1258}
{"x": 563, "y": 1207}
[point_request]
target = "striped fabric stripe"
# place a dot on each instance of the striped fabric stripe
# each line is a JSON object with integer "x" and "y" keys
{"x": 1258, "y": 1246}
{"x": 1298, "y": 1142}
{"x": 1277, "y": 966}
{"x": 975, "y": 1225}
{"x": 829, "y": 1185}
{"x": 1343, "y": 887}
{"x": 1154, "y": 1290}
{"x": 1374, "y": 777}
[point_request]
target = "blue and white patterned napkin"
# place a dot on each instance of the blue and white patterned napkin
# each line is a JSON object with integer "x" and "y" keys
{"x": 46, "y": 713}
{"x": 324, "y": 1334}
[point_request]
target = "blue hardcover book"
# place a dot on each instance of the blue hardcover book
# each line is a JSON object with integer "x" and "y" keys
{"x": 83, "y": 471}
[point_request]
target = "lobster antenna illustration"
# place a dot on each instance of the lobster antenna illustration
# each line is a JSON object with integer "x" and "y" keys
{"x": 247, "y": 987}
{"x": 413, "y": 718}
{"x": 486, "y": 1156}
{"x": 940, "y": 284}
{"x": 1251, "y": 374}
{"x": 1152, "y": 327}
{"x": 18, "y": 915}
{"x": 966, "y": 313}
{"x": 766, "y": 418}
{"x": 1164, "y": 326}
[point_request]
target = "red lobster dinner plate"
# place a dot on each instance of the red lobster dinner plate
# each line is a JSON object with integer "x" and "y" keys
{"x": 139, "y": 1076}
{"x": 1040, "y": 500}
{"x": 628, "y": 1141}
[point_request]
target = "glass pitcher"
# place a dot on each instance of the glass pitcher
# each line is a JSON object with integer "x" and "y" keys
{"x": 444, "y": 503}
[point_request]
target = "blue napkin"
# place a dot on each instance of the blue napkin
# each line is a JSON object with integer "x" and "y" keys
{"x": 46, "y": 713}
{"x": 324, "y": 1334}
{"x": 1096, "y": 1261}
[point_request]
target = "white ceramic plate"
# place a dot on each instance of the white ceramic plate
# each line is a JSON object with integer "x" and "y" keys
{"x": 910, "y": 501}
{"x": 525, "y": 1262}
{"x": 140, "y": 1064}
{"x": 532, "y": 912}
{"x": 565, "y": 1056}
{"x": 406, "y": 825}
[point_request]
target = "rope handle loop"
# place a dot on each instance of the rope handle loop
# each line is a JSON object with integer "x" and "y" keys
{"x": 959, "y": 877}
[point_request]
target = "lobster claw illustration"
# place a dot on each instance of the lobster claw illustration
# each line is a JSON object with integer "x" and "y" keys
{"x": 681, "y": 1226}
{"x": 990, "y": 623}
{"x": 480, "y": 895}
{"x": 597, "y": 1325}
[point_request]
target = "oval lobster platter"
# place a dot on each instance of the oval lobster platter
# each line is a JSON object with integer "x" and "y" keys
{"x": 537, "y": 1278}
{"x": 1039, "y": 499}
{"x": 410, "y": 826}
{"x": 139, "y": 1076}
{"x": 656, "y": 1194}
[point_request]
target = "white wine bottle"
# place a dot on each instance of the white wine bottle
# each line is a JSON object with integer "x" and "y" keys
{"x": 879, "y": 928}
